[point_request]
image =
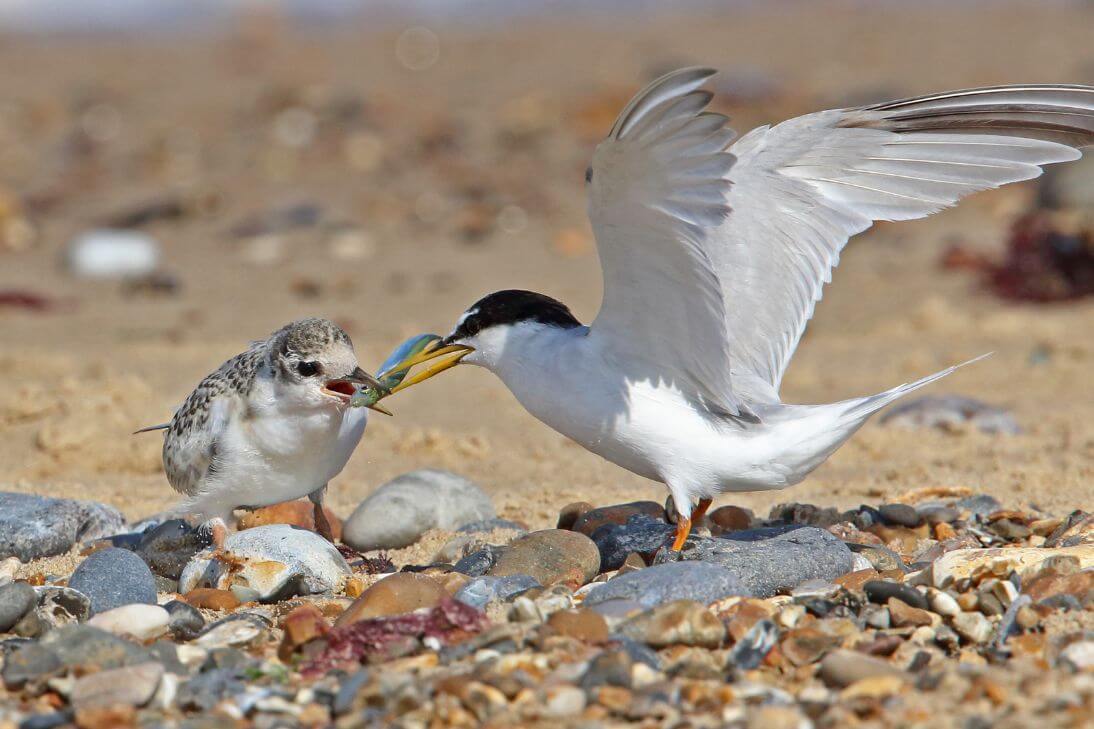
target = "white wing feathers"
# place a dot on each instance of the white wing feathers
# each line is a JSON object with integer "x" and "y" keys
{"x": 792, "y": 196}
{"x": 658, "y": 185}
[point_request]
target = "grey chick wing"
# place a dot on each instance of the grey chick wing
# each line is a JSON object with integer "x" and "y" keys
{"x": 190, "y": 446}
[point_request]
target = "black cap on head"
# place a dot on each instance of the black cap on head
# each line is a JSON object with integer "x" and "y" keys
{"x": 511, "y": 307}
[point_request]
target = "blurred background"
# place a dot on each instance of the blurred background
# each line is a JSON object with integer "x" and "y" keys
{"x": 178, "y": 178}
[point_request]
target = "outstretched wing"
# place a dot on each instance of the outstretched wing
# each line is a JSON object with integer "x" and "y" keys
{"x": 714, "y": 259}
{"x": 802, "y": 188}
{"x": 657, "y": 187}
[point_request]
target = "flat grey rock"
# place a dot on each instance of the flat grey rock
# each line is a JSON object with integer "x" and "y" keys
{"x": 402, "y": 510}
{"x": 34, "y": 526}
{"x": 16, "y": 600}
{"x": 114, "y": 577}
{"x": 775, "y": 559}
{"x": 700, "y": 581}
{"x": 277, "y": 561}
{"x": 482, "y": 590}
{"x": 949, "y": 411}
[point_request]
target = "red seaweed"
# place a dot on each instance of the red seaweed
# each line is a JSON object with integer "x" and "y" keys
{"x": 449, "y": 622}
{"x": 1046, "y": 260}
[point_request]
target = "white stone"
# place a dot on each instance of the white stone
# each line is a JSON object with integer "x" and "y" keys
{"x": 231, "y": 633}
{"x": 973, "y": 627}
{"x": 962, "y": 563}
{"x": 563, "y": 701}
{"x": 1080, "y": 655}
{"x": 143, "y": 622}
{"x": 942, "y": 603}
{"x": 399, "y": 512}
{"x": 113, "y": 254}
{"x": 275, "y": 561}
{"x": 127, "y": 686}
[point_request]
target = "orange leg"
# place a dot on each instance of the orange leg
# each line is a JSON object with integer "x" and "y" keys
{"x": 321, "y": 524}
{"x": 683, "y": 528}
{"x": 701, "y": 510}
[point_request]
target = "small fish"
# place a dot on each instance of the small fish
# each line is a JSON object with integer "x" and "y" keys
{"x": 369, "y": 395}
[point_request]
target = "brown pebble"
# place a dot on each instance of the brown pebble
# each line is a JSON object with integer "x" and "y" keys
{"x": 842, "y": 668}
{"x": 583, "y": 625}
{"x": 296, "y": 513}
{"x": 729, "y": 519}
{"x": 904, "y": 615}
{"x": 615, "y": 698}
{"x": 111, "y": 717}
{"x": 396, "y": 594}
{"x": 855, "y": 580}
{"x": 968, "y": 601}
{"x": 592, "y": 520}
{"x": 453, "y": 581}
{"x": 571, "y": 513}
{"x": 208, "y": 598}
{"x": 803, "y": 646}
{"x": 303, "y": 624}
{"x": 745, "y": 614}
{"x": 944, "y": 531}
{"x": 552, "y": 556}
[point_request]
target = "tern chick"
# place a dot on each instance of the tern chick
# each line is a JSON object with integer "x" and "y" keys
{"x": 271, "y": 424}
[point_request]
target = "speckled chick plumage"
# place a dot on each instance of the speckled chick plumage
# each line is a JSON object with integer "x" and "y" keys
{"x": 257, "y": 431}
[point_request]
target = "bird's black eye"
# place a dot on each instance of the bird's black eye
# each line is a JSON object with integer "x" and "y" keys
{"x": 589, "y": 174}
{"x": 307, "y": 369}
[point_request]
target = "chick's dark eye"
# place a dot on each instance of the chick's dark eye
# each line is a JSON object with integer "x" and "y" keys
{"x": 307, "y": 369}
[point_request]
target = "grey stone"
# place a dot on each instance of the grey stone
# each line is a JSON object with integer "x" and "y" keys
{"x": 84, "y": 645}
{"x": 642, "y": 534}
{"x": 277, "y": 561}
{"x": 489, "y": 525}
{"x": 185, "y": 621}
{"x": 949, "y": 411}
{"x": 750, "y": 651}
{"x": 979, "y": 504}
{"x": 204, "y": 691}
{"x": 900, "y": 514}
{"x": 843, "y": 667}
{"x": 29, "y": 662}
{"x": 480, "y": 562}
{"x": 169, "y": 546}
{"x": 125, "y": 686}
{"x": 114, "y": 577}
{"x": 769, "y": 560}
{"x": 881, "y": 558}
{"x": 16, "y": 599}
{"x": 699, "y": 581}
{"x": 880, "y": 591}
{"x": 37, "y": 526}
{"x": 482, "y": 590}
{"x": 403, "y": 509}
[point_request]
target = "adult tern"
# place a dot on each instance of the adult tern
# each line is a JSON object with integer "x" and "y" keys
{"x": 714, "y": 256}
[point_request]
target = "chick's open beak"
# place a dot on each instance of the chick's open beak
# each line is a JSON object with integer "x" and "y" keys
{"x": 345, "y": 388}
{"x": 442, "y": 356}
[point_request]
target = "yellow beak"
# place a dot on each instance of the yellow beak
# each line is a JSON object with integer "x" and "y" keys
{"x": 443, "y": 357}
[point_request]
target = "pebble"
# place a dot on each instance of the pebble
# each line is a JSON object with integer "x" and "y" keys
{"x": 16, "y": 600}
{"x": 109, "y": 253}
{"x": 948, "y": 412}
{"x": 617, "y": 514}
{"x": 680, "y": 622}
{"x": 699, "y": 581}
{"x": 127, "y": 686}
{"x": 398, "y": 513}
{"x": 482, "y": 590}
{"x": 770, "y": 560}
{"x": 641, "y": 534}
{"x": 881, "y": 558}
{"x": 750, "y": 651}
{"x": 881, "y": 591}
{"x": 167, "y": 547}
{"x": 1079, "y": 655}
{"x": 973, "y": 627}
{"x": 803, "y": 646}
{"x": 943, "y": 603}
{"x": 900, "y": 514}
{"x": 396, "y": 594}
{"x": 277, "y": 561}
{"x": 729, "y": 519}
{"x": 143, "y": 622}
{"x": 114, "y": 577}
{"x": 964, "y": 563}
{"x": 37, "y": 526}
{"x": 58, "y": 606}
{"x": 479, "y": 562}
{"x": 842, "y": 668}
{"x": 551, "y": 556}
{"x": 904, "y": 615}
{"x": 184, "y": 621}
{"x": 29, "y": 662}
{"x": 210, "y": 598}
{"x": 295, "y": 513}
{"x": 563, "y": 701}
{"x": 612, "y": 667}
{"x": 483, "y": 526}
{"x": 569, "y": 514}
{"x": 232, "y": 631}
{"x": 581, "y": 624}
{"x": 85, "y": 645}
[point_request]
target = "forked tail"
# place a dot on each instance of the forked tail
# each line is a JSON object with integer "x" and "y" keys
{"x": 865, "y": 407}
